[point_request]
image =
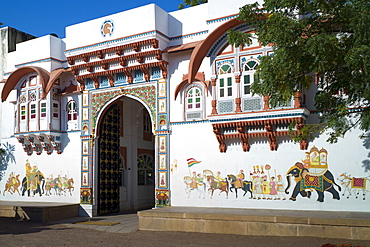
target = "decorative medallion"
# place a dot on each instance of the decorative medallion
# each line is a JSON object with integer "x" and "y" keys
{"x": 107, "y": 28}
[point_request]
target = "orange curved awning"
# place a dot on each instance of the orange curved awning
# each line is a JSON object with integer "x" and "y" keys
{"x": 198, "y": 77}
{"x": 14, "y": 78}
{"x": 201, "y": 50}
{"x": 53, "y": 77}
{"x": 47, "y": 79}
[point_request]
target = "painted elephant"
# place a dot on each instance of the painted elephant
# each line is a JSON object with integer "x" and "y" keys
{"x": 34, "y": 183}
{"x": 306, "y": 182}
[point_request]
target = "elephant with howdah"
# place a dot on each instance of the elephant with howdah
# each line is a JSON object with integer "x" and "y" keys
{"x": 306, "y": 182}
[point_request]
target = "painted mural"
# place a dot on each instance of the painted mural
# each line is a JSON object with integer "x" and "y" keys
{"x": 35, "y": 183}
{"x": 263, "y": 182}
{"x": 6, "y": 158}
{"x": 356, "y": 186}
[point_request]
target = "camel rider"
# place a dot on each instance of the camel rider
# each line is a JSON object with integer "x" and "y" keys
{"x": 11, "y": 179}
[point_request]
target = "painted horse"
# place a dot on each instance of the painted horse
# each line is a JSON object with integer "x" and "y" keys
{"x": 236, "y": 184}
{"x": 222, "y": 185}
{"x": 193, "y": 185}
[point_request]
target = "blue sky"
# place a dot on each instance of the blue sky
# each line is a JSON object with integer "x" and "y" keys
{"x": 42, "y": 17}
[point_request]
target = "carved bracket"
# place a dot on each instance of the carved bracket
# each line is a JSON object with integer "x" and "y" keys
{"x": 220, "y": 138}
{"x": 267, "y": 129}
{"x": 56, "y": 145}
{"x": 128, "y": 76}
{"x": 26, "y": 147}
{"x": 304, "y": 143}
{"x": 271, "y": 135}
{"x": 110, "y": 79}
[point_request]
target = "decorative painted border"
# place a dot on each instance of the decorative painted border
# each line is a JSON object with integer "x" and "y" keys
{"x": 301, "y": 114}
{"x": 146, "y": 93}
{"x": 162, "y": 198}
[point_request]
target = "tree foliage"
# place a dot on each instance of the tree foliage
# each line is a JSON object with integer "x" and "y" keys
{"x": 191, "y": 3}
{"x": 6, "y": 157}
{"x": 326, "y": 41}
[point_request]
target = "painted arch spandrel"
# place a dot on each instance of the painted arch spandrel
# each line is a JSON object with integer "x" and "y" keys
{"x": 330, "y": 177}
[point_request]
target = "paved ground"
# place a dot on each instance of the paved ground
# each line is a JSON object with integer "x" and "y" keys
{"x": 68, "y": 233}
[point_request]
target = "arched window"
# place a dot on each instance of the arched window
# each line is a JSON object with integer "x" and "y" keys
{"x": 250, "y": 103}
{"x": 248, "y": 76}
{"x": 194, "y": 103}
{"x": 72, "y": 110}
{"x": 145, "y": 169}
{"x": 225, "y": 81}
{"x": 226, "y": 89}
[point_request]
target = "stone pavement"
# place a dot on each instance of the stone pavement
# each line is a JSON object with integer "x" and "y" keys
{"x": 67, "y": 232}
{"x": 127, "y": 222}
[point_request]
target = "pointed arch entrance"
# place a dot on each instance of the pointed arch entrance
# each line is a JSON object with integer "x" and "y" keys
{"x": 125, "y": 159}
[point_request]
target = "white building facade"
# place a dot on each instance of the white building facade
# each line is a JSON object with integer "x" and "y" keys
{"x": 145, "y": 108}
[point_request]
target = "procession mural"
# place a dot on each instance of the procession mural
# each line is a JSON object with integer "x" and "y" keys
{"x": 35, "y": 183}
{"x": 262, "y": 183}
{"x": 309, "y": 176}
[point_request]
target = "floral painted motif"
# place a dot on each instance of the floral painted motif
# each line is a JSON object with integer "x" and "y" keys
{"x": 146, "y": 93}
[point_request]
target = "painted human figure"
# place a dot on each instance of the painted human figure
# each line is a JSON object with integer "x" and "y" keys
{"x": 162, "y": 180}
{"x": 11, "y": 179}
{"x": 257, "y": 187}
{"x": 273, "y": 191}
{"x": 194, "y": 179}
{"x": 218, "y": 179}
{"x": 200, "y": 179}
{"x": 280, "y": 188}
{"x": 265, "y": 187}
{"x": 239, "y": 179}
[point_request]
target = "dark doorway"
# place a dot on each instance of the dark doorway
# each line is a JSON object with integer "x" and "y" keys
{"x": 109, "y": 162}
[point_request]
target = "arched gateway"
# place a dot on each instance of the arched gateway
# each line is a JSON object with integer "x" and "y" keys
{"x": 124, "y": 161}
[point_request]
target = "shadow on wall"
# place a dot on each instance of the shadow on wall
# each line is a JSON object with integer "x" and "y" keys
{"x": 366, "y": 143}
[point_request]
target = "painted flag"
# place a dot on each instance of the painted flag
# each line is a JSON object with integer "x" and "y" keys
{"x": 192, "y": 162}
